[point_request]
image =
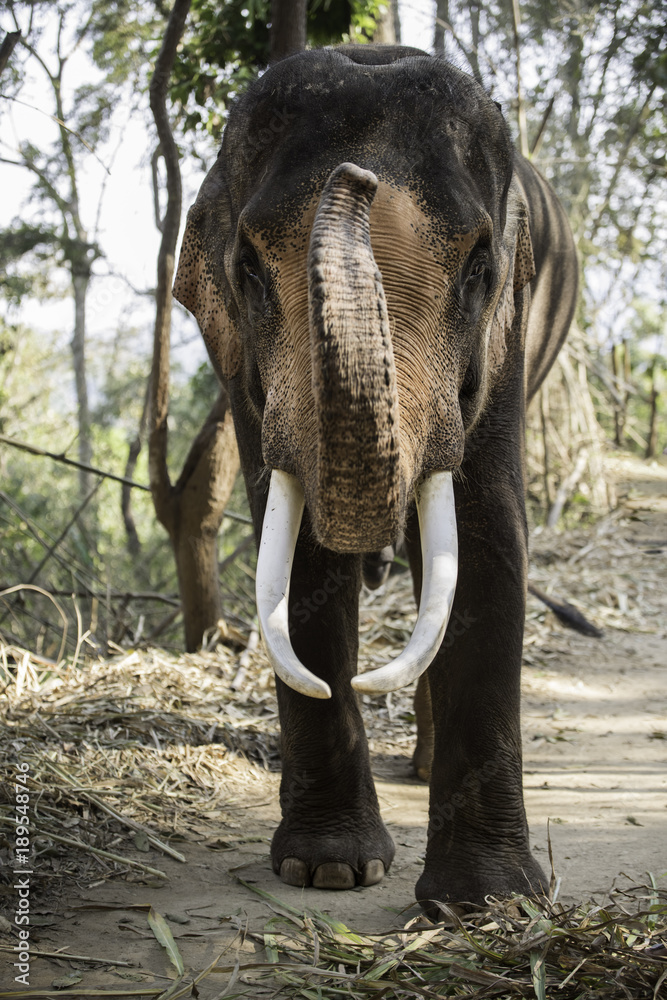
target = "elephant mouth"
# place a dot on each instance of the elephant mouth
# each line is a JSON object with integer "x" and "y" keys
{"x": 434, "y": 496}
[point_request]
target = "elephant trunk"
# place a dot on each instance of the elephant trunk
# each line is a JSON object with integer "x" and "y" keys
{"x": 356, "y": 506}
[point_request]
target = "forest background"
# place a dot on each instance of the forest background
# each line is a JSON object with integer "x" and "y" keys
{"x": 86, "y": 373}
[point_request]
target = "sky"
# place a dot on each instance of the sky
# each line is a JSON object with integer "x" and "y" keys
{"x": 126, "y": 231}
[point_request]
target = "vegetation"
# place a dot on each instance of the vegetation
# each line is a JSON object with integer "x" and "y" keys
{"x": 585, "y": 90}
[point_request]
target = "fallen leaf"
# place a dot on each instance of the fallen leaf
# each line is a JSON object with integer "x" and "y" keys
{"x": 160, "y": 929}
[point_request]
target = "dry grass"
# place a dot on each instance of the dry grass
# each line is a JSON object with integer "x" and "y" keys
{"x": 139, "y": 740}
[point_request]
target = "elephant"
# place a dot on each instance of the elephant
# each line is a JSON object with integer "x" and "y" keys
{"x": 382, "y": 284}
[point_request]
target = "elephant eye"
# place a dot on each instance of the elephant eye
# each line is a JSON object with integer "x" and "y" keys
{"x": 249, "y": 265}
{"x": 470, "y": 383}
{"x": 479, "y": 267}
{"x": 474, "y": 282}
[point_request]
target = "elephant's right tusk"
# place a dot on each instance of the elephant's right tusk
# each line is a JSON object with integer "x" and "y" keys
{"x": 282, "y": 520}
{"x": 437, "y": 521}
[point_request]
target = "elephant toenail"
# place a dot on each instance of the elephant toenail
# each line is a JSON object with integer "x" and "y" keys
{"x": 334, "y": 875}
{"x": 373, "y": 872}
{"x": 295, "y": 872}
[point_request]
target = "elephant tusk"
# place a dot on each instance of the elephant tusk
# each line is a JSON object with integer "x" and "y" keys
{"x": 437, "y": 521}
{"x": 282, "y": 520}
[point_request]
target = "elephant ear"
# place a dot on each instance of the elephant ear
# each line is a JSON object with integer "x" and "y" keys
{"x": 200, "y": 272}
{"x": 521, "y": 271}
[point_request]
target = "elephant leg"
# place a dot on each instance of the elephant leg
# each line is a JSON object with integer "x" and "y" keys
{"x": 422, "y": 759}
{"x": 377, "y": 566}
{"x": 478, "y": 836}
{"x": 331, "y": 834}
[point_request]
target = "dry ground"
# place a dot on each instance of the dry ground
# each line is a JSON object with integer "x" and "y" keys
{"x": 189, "y": 748}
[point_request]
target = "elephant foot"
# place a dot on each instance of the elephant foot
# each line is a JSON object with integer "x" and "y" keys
{"x": 471, "y": 882}
{"x": 332, "y": 862}
{"x": 422, "y": 759}
{"x": 331, "y": 874}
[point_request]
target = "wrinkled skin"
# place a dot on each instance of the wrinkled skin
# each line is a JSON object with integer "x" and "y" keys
{"x": 367, "y": 336}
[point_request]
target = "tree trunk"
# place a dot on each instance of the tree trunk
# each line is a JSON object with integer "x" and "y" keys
{"x": 396, "y": 15}
{"x": 133, "y": 542}
{"x": 627, "y": 375}
{"x": 473, "y": 55}
{"x": 288, "y": 28}
{"x": 386, "y": 25}
{"x": 441, "y": 19}
{"x": 521, "y": 106}
{"x": 652, "y": 437}
{"x": 619, "y": 402}
{"x": 198, "y": 502}
{"x": 193, "y": 509}
{"x": 80, "y": 284}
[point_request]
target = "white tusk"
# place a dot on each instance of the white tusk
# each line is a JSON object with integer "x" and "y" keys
{"x": 282, "y": 520}
{"x": 437, "y": 522}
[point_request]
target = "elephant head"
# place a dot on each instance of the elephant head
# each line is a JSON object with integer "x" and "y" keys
{"x": 357, "y": 257}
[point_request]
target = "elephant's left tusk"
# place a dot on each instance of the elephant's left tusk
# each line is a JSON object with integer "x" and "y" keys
{"x": 282, "y": 520}
{"x": 437, "y": 522}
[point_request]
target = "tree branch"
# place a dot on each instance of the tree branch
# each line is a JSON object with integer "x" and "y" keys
{"x": 158, "y": 471}
{"x": 155, "y": 159}
{"x": 537, "y": 142}
{"x": 29, "y": 165}
{"x": 33, "y": 450}
{"x": 521, "y": 105}
{"x": 631, "y": 135}
{"x": 9, "y": 43}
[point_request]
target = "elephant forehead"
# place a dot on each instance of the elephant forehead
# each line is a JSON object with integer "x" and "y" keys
{"x": 422, "y": 117}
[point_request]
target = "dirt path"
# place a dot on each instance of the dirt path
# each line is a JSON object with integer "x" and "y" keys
{"x": 595, "y": 711}
{"x": 595, "y": 749}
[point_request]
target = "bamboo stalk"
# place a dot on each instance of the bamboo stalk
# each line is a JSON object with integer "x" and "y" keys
{"x": 70, "y": 842}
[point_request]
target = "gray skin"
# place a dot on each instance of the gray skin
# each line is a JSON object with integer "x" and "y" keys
{"x": 382, "y": 282}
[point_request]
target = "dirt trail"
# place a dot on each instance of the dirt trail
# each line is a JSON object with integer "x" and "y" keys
{"x": 595, "y": 749}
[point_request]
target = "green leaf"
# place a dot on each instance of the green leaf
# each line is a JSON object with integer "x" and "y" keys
{"x": 539, "y": 973}
{"x": 160, "y": 929}
{"x": 277, "y": 903}
{"x": 338, "y": 927}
